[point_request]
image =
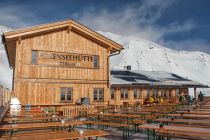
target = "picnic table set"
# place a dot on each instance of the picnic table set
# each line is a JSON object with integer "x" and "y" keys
{"x": 185, "y": 124}
{"x": 42, "y": 126}
{"x": 167, "y": 122}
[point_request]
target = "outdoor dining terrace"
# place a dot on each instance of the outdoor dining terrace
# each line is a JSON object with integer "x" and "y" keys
{"x": 78, "y": 122}
{"x": 151, "y": 121}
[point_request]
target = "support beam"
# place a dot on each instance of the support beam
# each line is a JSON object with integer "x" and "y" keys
{"x": 19, "y": 40}
{"x": 69, "y": 28}
{"x": 195, "y": 96}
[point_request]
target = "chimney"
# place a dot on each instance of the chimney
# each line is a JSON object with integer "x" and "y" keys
{"x": 128, "y": 67}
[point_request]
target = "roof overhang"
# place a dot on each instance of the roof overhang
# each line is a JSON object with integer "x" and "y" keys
{"x": 158, "y": 85}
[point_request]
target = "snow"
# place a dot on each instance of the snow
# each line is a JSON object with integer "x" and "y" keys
{"x": 5, "y": 72}
{"x": 133, "y": 77}
{"x": 141, "y": 55}
{"x": 145, "y": 55}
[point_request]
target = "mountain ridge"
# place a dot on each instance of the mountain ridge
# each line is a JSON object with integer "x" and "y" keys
{"x": 145, "y": 55}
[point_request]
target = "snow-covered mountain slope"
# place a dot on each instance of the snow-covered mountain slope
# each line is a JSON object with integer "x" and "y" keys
{"x": 5, "y": 71}
{"x": 146, "y": 55}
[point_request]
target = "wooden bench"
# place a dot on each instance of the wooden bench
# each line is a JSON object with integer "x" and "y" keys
{"x": 177, "y": 134}
{"x": 120, "y": 120}
{"x": 31, "y": 133}
{"x": 32, "y": 119}
{"x": 191, "y": 125}
{"x": 37, "y": 126}
{"x": 105, "y": 125}
{"x": 173, "y": 129}
{"x": 34, "y": 114}
{"x": 184, "y": 121}
{"x": 60, "y": 136}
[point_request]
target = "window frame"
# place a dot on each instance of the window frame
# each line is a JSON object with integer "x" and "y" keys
{"x": 34, "y": 56}
{"x": 125, "y": 92}
{"x": 156, "y": 93}
{"x": 137, "y": 92}
{"x": 66, "y": 90}
{"x": 170, "y": 93}
{"x": 165, "y": 93}
{"x": 148, "y": 92}
{"x": 112, "y": 92}
{"x": 96, "y": 62}
{"x": 97, "y": 94}
{"x": 162, "y": 93}
{"x": 177, "y": 92}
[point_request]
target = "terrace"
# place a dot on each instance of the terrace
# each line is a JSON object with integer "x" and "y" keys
{"x": 153, "y": 121}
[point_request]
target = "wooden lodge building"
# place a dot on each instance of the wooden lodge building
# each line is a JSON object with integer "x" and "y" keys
{"x": 62, "y": 62}
{"x": 135, "y": 86}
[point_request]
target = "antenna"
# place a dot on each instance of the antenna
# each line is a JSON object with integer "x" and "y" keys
{"x": 137, "y": 64}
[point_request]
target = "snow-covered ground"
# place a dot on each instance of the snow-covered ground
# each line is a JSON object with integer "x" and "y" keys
{"x": 141, "y": 55}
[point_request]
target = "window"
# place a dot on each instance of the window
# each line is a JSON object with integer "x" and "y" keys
{"x": 112, "y": 92}
{"x": 162, "y": 93}
{"x": 98, "y": 94}
{"x": 153, "y": 93}
{"x": 165, "y": 93}
{"x": 96, "y": 61}
{"x": 148, "y": 93}
{"x": 66, "y": 94}
{"x": 170, "y": 94}
{"x": 136, "y": 93}
{"x": 124, "y": 93}
{"x": 177, "y": 92}
{"x": 34, "y": 57}
{"x": 156, "y": 93}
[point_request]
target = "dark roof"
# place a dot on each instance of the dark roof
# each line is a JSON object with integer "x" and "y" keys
{"x": 150, "y": 78}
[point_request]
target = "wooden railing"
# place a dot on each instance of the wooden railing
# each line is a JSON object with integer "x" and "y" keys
{"x": 76, "y": 110}
{"x": 5, "y": 95}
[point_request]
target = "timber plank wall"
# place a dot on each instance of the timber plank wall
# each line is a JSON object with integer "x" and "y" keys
{"x": 39, "y": 85}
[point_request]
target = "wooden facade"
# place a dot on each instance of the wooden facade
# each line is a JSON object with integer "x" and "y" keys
{"x": 5, "y": 95}
{"x": 59, "y": 58}
{"x": 144, "y": 92}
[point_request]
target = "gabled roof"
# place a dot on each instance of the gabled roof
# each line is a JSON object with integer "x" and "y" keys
{"x": 151, "y": 78}
{"x": 9, "y": 38}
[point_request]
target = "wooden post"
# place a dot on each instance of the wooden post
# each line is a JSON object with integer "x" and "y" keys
{"x": 195, "y": 96}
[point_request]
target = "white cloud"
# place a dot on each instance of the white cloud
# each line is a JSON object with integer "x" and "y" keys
{"x": 137, "y": 20}
{"x": 190, "y": 45}
{"x": 141, "y": 21}
{"x": 15, "y": 16}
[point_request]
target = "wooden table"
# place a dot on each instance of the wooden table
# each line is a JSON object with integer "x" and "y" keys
{"x": 194, "y": 112}
{"x": 137, "y": 112}
{"x": 103, "y": 125}
{"x": 32, "y": 119}
{"x": 38, "y": 114}
{"x": 187, "y": 121}
{"x": 193, "y": 116}
{"x": 208, "y": 110}
{"x": 203, "y": 107}
{"x": 61, "y": 135}
{"x": 160, "y": 105}
{"x": 12, "y": 127}
{"x": 190, "y": 131}
{"x": 129, "y": 117}
{"x": 176, "y": 128}
{"x": 120, "y": 115}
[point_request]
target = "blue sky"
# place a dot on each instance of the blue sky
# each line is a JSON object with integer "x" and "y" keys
{"x": 176, "y": 24}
